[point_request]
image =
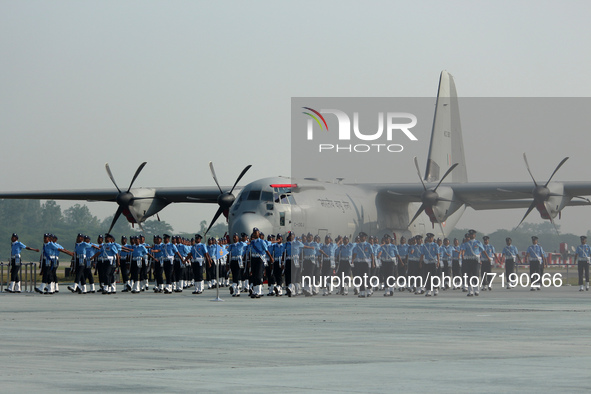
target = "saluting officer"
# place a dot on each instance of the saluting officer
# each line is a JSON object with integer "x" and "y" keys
{"x": 583, "y": 256}
{"x": 15, "y": 263}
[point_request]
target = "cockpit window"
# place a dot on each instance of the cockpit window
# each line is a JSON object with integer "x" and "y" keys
{"x": 291, "y": 199}
{"x": 267, "y": 196}
{"x": 254, "y": 195}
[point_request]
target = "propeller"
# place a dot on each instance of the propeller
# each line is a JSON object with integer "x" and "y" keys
{"x": 225, "y": 199}
{"x": 540, "y": 193}
{"x": 124, "y": 199}
{"x": 430, "y": 197}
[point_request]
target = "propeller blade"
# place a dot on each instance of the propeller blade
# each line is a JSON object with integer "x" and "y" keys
{"x": 421, "y": 209}
{"x": 531, "y": 207}
{"x": 240, "y": 177}
{"x": 137, "y": 172}
{"x": 117, "y": 214}
{"x": 556, "y": 169}
{"x": 214, "y": 177}
{"x": 450, "y": 169}
{"x": 528, "y": 170}
{"x": 111, "y": 176}
{"x": 420, "y": 176}
{"x": 215, "y": 217}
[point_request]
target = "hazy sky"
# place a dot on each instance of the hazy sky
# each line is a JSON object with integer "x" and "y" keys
{"x": 180, "y": 83}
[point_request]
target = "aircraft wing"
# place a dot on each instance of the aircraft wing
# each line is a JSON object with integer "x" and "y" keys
{"x": 177, "y": 194}
{"x": 88, "y": 195}
{"x": 485, "y": 195}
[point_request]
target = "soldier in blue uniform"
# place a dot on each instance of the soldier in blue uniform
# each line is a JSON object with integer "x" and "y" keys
{"x": 456, "y": 261}
{"x": 582, "y": 257}
{"x": 80, "y": 265}
{"x": 138, "y": 255}
{"x": 269, "y": 267}
{"x": 511, "y": 255}
{"x": 429, "y": 262}
{"x": 486, "y": 261}
{"x": 88, "y": 265}
{"x": 258, "y": 252}
{"x": 51, "y": 250}
{"x": 15, "y": 263}
{"x": 291, "y": 264}
{"x": 446, "y": 251}
{"x": 278, "y": 252}
{"x": 537, "y": 259}
{"x": 170, "y": 252}
{"x": 389, "y": 256}
{"x": 327, "y": 262}
{"x": 236, "y": 250}
{"x": 343, "y": 258}
{"x": 363, "y": 262}
{"x": 414, "y": 266}
{"x": 471, "y": 258}
{"x": 310, "y": 252}
{"x": 125, "y": 264}
{"x": 403, "y": 260}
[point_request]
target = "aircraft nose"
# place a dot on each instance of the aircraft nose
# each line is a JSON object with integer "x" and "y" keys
{"x": 247, "y": 221}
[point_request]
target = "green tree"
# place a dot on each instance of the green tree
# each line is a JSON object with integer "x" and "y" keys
{"x": 51, "y": 216}
{"x": 79, "y": 216}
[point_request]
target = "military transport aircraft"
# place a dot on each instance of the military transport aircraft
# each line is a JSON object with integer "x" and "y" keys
{"x": 281, "y": 204}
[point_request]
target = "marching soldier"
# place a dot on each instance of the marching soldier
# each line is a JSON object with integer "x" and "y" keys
{"x": 327, "y": 262}
{"x": 50, "y": 251}
{"x": 511, "y": 256}
{"x": 486, "y": 263}
{"x": 80, "y": 265}
{"x": 583, "y": 256}
{"x": 138, "y": 256}
{"x": 88, "y": 265}
{"x": 125, "y": 264}
{"x": 389, "y": 256}
{"x": 363, "y": 262}
{"x": 471, "y": 258}
{"x": 343, "y": 256}
{"x": 170, "y": 252}
{"x": 446, "y": 260}
{"x": 429, "y": 262}
{"x": 259, "y": 252}
{"x": 456, "y": 261}
{"x": 15, "y": 263}
{"x": 537, "y": 258}
{"x": 291, "y": 264}
{"x": 237, "y": 250}
{"x": 278, "y": 252}
{"x": 403, "y": 260}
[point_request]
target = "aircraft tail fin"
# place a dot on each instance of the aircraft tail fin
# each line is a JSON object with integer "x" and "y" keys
{"x": 447, "y": 144}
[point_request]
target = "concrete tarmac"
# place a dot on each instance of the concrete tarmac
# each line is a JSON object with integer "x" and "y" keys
{"x": 502, "y": 341}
